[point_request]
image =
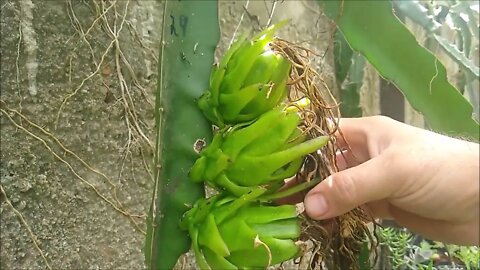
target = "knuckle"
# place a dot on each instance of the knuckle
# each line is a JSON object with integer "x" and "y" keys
{"x": 380, "y": 121}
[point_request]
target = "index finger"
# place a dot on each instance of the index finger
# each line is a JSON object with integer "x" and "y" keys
{"x": 365, "y": 137}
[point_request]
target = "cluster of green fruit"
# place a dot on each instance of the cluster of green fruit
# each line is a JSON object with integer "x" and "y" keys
{"x": 258, "y": 145}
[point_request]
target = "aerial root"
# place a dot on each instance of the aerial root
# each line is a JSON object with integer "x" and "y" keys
{"x": 337, "y": 241}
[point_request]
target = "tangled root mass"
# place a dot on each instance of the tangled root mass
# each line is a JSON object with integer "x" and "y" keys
{"x": 335, "y": 243}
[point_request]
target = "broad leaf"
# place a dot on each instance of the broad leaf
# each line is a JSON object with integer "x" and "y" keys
{"x": 371, "y": 28}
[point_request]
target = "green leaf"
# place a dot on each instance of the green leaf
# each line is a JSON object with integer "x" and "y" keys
{"x": 261, "y": 214}
{"x": 371, "y": 28}
{"x": 280, "y": 250}
{"x": 189, "y": 36}
{"x": 210, "y": 236}
{"x": 217, "y": 262}
{"x": 282, "y": 229}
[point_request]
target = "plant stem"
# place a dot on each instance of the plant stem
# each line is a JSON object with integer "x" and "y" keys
{"x": 290, "y": 191}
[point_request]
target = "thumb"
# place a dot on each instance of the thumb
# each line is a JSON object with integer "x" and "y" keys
{"x": 348, "y": 189}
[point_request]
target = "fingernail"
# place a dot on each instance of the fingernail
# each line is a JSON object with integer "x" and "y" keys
{"x": 316, "y": 205}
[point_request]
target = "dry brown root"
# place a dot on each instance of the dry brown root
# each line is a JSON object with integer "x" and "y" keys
{"x": 336, "y": 242}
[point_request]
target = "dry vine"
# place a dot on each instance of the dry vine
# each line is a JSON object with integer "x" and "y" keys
{"x": 112, "y": 28}
{"x": 114, "y": 202}
{"x": 19, "y": 215}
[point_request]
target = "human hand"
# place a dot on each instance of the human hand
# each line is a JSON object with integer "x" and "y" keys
{"x": 425, "y": 181}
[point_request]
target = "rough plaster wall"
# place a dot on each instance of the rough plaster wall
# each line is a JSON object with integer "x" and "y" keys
{"x": 74, "y": 227}
{"x": 45, "y": 187}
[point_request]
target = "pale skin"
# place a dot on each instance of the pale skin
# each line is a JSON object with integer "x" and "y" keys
{"x": 425, "y": 181}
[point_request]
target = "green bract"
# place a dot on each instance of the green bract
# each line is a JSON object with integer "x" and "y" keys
{"x": 250, "y": 80}
{"x": 239, "y": 233}
{"x": 271, "y": 148}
